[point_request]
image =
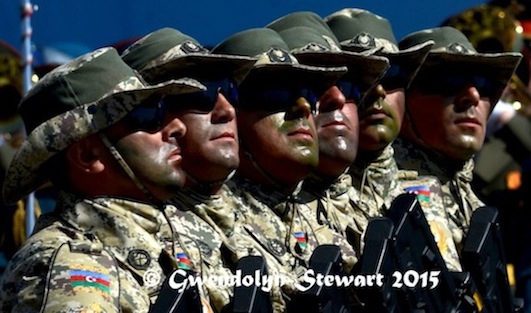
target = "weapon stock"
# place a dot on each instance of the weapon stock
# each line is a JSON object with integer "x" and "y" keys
{"x": 484, "y": 257}
{"x": 251, "y": 299}
{"x": 416, "y": 249}
{"x": 377, "y": 258}
{"x": 411, "y": 247}
{"x": 172, "y": 300}
{"x": 325, "y": 260}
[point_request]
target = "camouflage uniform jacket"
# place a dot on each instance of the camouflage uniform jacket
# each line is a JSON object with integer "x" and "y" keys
{"x": 373, "y": 188}
{"x": 332, "y": 205}
{"x": 381, "y": 182}
{"x": 92, "y": 255}
{"x": 377, "y": 182}
{"x": 284, "y": 225}
{"x": 220, "y": 213}
{"x": 459, "y": 199}
{"x": 196, "y": 234}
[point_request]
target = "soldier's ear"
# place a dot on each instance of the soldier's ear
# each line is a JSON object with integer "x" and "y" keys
{"x": 86, "y": 154}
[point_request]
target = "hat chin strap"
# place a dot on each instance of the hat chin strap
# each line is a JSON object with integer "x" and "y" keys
{"x": 414, "y": 129}
{"x": 257, "y": 166}
{"x": 207, "y": 187}
{"x": 118, "y": 157}
{"x": 420, "y": 141}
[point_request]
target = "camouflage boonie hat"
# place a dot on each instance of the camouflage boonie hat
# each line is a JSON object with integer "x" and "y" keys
{"x": 274, "y": 61}
{"x": 360, "y": 30}
{"x": 452, "y": 51}
{"x": 168, "y": 53}
{"x": 306, "y": 19}
{"x": 73, "y": 101}
{"x": 311, "y": 43}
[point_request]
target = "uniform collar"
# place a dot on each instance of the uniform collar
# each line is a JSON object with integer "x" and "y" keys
{"x": 141, "y": 214}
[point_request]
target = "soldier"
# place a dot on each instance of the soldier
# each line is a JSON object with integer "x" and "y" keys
{"x": 205, "y": 210}
{"x": 498, "y": 166}
{"x": 447, "y": 107}
{"x": 375, "y": 173}
{"x": 108, "y": 141}
{"x": 336, "y": 117}
{"x": 278, "y": 148}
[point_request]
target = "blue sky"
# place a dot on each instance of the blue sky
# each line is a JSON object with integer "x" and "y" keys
{"x": 97, "y": 23}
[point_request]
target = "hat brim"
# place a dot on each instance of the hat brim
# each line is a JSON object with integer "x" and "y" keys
{"x": 369, "y": 69}
{"x": 410, "y": 60}
{"x": 504, "y": 62}
{"x": 311, "y": 76}
{"x": 499, "y": 66}
{"x": 214, "y": 64}
{"x": 24, "y": 174}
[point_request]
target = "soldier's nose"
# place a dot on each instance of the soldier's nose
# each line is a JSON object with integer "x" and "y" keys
{"x": 332, "y": 99}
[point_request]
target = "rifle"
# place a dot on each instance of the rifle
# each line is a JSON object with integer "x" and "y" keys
{"x": 173, "y": 299}
{"x": 420, "y": 280}
{"x": 377, "y": 258}
{"x": 319, "y": 298}
{"x": 484, "y": 257}
{"x": 251, "y": 299}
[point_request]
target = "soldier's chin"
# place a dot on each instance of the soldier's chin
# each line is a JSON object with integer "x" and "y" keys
{"x": 469, "y": 145}
{"x": 461, "y": 151}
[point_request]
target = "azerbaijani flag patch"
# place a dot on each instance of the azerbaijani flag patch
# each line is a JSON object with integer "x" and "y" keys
{"x": 184, "y": 262}
{"x": 422, "y": 192}
{"x": 90, "y": 279}
{"x": 302, "y": 240}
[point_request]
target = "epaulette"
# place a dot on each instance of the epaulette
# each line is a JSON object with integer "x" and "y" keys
{"x": 92, "y": 245}
{"x": 406, "y": 174}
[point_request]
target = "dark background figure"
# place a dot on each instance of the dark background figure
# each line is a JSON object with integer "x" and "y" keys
{"x": 12, "y": 132}
{"x": 12, "y": 223}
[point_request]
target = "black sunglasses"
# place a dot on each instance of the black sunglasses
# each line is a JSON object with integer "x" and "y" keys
{"x": 277, "y": 98}
{"x": 148, "y": 116}
{"x": 204, "y": 101}
{"x": 450, "y": 85}
{"x": 350, "y": 90}
{"x": 394, "y": 78}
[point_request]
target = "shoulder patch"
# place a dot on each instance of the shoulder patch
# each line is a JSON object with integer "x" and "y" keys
{"x": 82, "y": 280}
{"x": 422, "y": 191}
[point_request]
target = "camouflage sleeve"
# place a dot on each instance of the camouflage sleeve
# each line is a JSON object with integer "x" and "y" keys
{"x": 52, "y": 276}
{"x": 22, "y": 287}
